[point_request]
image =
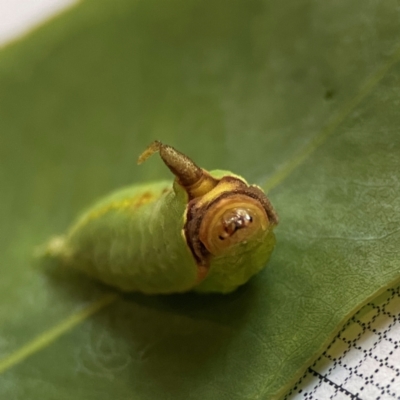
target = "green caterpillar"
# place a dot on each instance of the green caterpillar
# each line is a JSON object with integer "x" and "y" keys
{"x": 207, "y": 232}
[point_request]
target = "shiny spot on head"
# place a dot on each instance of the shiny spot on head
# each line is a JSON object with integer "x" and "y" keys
{"x": 231, "y": 221}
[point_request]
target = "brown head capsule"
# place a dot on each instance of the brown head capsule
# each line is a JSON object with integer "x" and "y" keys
{"x": 232, "y": 220}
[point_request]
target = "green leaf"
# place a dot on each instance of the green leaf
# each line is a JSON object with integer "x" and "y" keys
{"x": 301, "y": 97}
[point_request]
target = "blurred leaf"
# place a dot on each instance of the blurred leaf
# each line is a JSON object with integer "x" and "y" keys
{"x": 301, "y": 97}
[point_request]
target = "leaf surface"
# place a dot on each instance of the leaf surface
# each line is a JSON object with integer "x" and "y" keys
{"x": 300, "y": 97}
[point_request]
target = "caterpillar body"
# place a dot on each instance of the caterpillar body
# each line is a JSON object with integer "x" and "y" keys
{"x": 206, "y": 232}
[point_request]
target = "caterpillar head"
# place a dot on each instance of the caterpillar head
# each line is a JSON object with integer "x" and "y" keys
{"x": 229, "y": 216}
{"x": 230, "y": 221}
{"x": 225, "y": 216}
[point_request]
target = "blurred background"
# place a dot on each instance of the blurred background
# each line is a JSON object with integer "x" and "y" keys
{"x": 17, "y": 18}
{"x": 300, "y": 97}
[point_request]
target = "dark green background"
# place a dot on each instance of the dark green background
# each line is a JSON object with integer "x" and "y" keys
{"x": 301, "y": 97}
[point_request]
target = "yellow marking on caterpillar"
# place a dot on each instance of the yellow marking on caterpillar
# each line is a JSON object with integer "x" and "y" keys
{"x": 143, "y": 199}
{"x": 119, "y": 205}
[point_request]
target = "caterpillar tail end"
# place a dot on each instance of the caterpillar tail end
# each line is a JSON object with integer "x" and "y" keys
{"x": 55, "y": 248}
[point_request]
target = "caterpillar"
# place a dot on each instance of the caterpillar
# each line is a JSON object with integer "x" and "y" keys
{"x": 205, "y": 232}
